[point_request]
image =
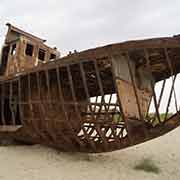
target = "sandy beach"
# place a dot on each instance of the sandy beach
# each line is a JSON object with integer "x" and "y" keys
{"x": 42, "y": 163}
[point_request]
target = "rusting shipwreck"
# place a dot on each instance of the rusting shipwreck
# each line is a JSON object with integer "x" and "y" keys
{"x": 98, "y": 100}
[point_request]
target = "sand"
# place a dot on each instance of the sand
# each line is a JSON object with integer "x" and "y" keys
{"x": 42, "y": 163}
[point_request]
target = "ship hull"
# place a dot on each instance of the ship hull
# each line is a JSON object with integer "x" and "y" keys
{"x": 79, "y": 103}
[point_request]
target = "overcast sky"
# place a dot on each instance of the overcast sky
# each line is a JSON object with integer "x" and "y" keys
{"x": 82, "y": 24}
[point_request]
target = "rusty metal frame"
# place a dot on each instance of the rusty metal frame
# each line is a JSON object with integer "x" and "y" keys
{"x": 74, "y": 103}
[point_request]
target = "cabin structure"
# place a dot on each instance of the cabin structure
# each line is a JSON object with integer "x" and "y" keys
{"x": 23, "y": 51}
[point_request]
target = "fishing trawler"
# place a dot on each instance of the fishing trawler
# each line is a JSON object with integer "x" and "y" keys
{"x": 98, "y": 100}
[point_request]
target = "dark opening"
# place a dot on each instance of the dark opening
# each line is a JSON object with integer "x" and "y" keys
{"x": 4, "y": 59}
{"x": 41, "y": 54}
{"x": 52, "y": 56}
{"x": 13, "y": 50}
{"x": 17, "y": 117}
{"x": 9, "y": 114}
{"x": 29, "y": 50}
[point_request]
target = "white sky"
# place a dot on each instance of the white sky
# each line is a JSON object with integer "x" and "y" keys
{"x": 83, "y": 24}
